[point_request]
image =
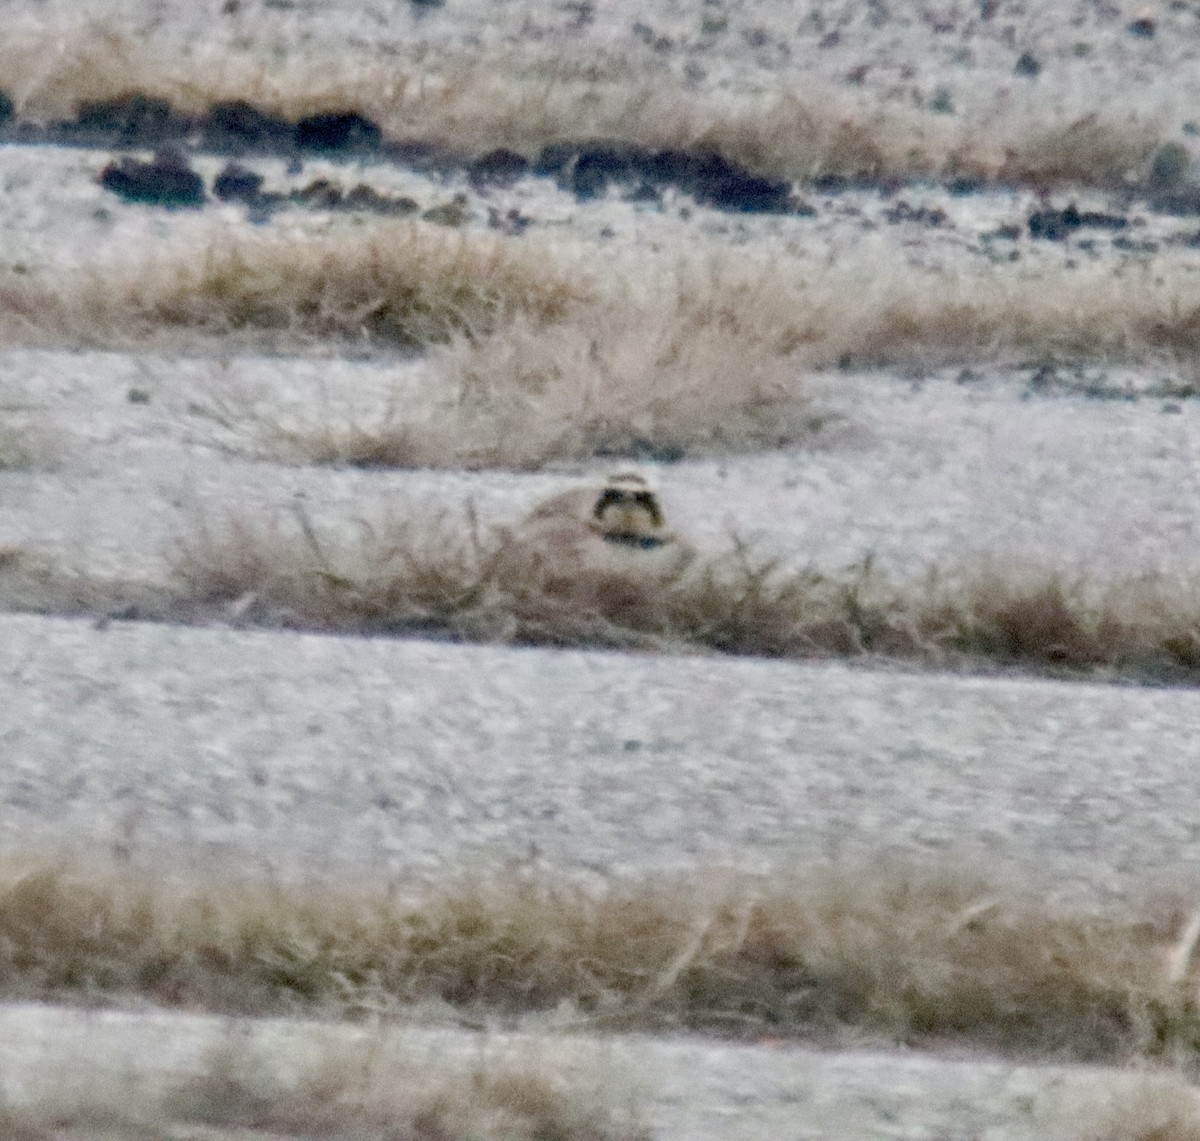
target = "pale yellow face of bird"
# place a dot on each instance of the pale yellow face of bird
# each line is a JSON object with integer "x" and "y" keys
{"x": 627, "y": 511}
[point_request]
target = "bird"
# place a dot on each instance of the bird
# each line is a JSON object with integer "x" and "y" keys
{"x": 618, "y": 529}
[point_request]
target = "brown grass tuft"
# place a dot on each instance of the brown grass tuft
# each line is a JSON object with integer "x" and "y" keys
{"x": 359, "y": 1093}
{"x": 575, "y": 357}
{"x": 715, "y": 358}
{"x": 445, "y": 576}
{"x": 854, "y": 321}
{"x": 914, "y": 956}
{"x": 440, "y": 576}
{"x": 404, "y": 284}
{"x": 679, "y": 375}
{"x": 1160, "y": 1107}
{"x": 356, "y": 1091}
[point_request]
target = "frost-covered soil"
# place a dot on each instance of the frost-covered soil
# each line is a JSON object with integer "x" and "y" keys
{"x": 677, "y": 1089}
{"x": 242, "y": 752}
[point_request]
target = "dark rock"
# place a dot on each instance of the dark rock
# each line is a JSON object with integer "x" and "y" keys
{"x": 513, "y": 223}
{"x": 1003, "y": 233}
{"x": 1168, "y": 167}
{"x": 131, "y": 120}
{"x": 238, "y": 127}
{"x": 1027, "y": 65}
{"x": 729, "y": 186}
{"x": 1056, "y": 225}
{"x": 599, "y": 165}
{"x": 364, "y": 197}
{"x": 1130, "y": 246}
{"x": 831, "y": 184}
{"x": 963, "y": 185}
{"x": 1143, "y": 27}
{"x": 500, "y": 167}
{"x": 320, "y": 194}
{"x": 339, "y": 132}
{"x": 166, "y": 181}
{"x": 922, "y": 215}
{"x": 588, "y": 169}
{"x": 554, "y": 158}
{"x": 237, "y": 184}
{"x": 452, "y": 213}
{"x": 1098, "y": 220}
{"x": 7, "y": 108}
{"x": 1043, "y": 379}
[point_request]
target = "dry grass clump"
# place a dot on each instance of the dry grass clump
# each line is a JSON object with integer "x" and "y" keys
{"x": 404, "y": 284}
{"x": 663, "y": 380}
{"x": 444, "y": 577}
{"x": 1160, "y": 1107}
{"x": 361, "y": 1095}
{"x": 355, "y": 1092}
{"x": 1093, "y": 150}
{"x": 713, "y": 358}
{"x": 854, "y": 320}
{"x": 471, "y": 103}
{"x": 1149, "y": 624}
{"x": 910, "y": 955}
{"x": 691, "y": 346}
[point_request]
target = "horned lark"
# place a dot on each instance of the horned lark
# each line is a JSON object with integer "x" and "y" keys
{"x": 620, "y": 528}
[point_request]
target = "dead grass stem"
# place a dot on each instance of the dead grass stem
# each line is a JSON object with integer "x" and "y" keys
{"x": 915, "y": 956}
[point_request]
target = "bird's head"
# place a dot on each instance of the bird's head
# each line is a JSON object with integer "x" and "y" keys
{"x": 627, "y": 511}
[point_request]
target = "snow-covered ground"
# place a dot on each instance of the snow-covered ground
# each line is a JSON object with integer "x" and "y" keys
{"x": 304, "y": 757}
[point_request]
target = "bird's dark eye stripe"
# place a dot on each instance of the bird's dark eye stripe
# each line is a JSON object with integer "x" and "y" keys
{"x": 607, "y": 497}
{"x": 614, "y": 495}
{"x": 649, "y": 501}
